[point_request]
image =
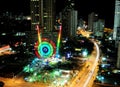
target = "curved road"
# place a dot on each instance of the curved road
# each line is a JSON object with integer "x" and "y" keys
{"x": 85, "y": 77}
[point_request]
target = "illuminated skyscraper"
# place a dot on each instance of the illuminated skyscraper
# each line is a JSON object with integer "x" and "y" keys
{"x": 116, "y": 32}
{"x": 116, "y": 20}
{"x": 118, "y": 56}
{"x": 98, "y": 27}
{"x": 92, "y": 17}
{"x": 69, "y": 19}
{"x": 43, "y": 14}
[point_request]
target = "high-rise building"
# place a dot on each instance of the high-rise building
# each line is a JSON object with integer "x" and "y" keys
{"x": 69, "y": 19}
{"x": 116, "y": 20}
{"x": 43, "y": 14}
{"x": 34, "y": 5}
{"x": 116, "y": 31}
{"x": 92, "y": 17}
{"x": 98, "y": 28}
{"x": 118, "y": 56}
{"x": 81, "y": 23}
{"x": 73, "y": 22}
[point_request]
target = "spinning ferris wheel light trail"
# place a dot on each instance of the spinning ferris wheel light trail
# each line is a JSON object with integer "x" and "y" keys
{"x": 39, "y": 35}
{"x": 44, "y": 47}
{"x": 58, "y": 41}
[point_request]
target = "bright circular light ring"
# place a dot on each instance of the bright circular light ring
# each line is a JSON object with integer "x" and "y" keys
{"x": 45, "y": 49}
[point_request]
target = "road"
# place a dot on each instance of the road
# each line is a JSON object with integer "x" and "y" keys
{"x": 83, "y": 79}
{"x": 19, "y": 82}
{"x": 87, "y": 75}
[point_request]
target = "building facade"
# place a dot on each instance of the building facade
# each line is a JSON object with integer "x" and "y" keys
{"x": 116, "y": 20}
{"x": 43, "y": 14}
{"x": 98, "y": 28}
{"x": 73, "y": 22}
{"x": 92, "y": 17}
{"x": 118, "y": 56}
{"x": 69, "y": 18}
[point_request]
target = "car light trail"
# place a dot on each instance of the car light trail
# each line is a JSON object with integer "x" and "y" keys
{"x": 5, "y": 48}
{"x": 95, "y": 63}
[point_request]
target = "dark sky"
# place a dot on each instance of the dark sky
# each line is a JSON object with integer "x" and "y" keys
{"x": 15, "y": 6}
{"x": 105, "y": 8}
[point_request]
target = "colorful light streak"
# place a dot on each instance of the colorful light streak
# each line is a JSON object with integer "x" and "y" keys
{"x": 39, "y": 52}
{"x": 58, "y": 41}
{"x": 39, "y": 35}
{"x": 45, "y": 49}
{"x": 5, "y": 48}
{"x": 94, "y": 66}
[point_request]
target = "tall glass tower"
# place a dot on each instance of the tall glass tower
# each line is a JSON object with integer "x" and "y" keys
{"x": 118, "y": 56}
{"x": 116, "y": 20}
{"x": 43, "y": 14}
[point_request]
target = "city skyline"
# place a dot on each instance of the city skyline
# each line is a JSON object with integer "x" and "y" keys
{"x": 104, "y": 9}
{"x": 66, "y": 43}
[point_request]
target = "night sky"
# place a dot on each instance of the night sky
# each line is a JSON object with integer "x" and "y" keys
{"x": 15, "y": 6}
{"x": 105, "y": 8}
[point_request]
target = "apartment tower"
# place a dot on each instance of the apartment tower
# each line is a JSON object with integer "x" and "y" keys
{"x": 116, "y": 21}
{"x": 43, "y": 14}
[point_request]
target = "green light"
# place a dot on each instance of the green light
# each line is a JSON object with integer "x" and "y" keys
{"x": 57, "y": 73}
{"x": 45, "y": 49}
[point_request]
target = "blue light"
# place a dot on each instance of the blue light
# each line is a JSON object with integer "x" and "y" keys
{"x": 103, "y": 65}
{"x": 103, "y": 59}
{"x": 85, "y": 53}
{"x": 57, "y": 56}
{"x": 68, "y": 54}
{"x": 102, "y": 78}
{"x": 45, "y": 49}
{"x": 115, "y": 83}
{"x": 108, "y": 72}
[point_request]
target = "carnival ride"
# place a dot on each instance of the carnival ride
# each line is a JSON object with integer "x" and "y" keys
{"x": 45, "y": 48}
{"x": 43, "y": 68}
{"x": 49, "y": 66}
